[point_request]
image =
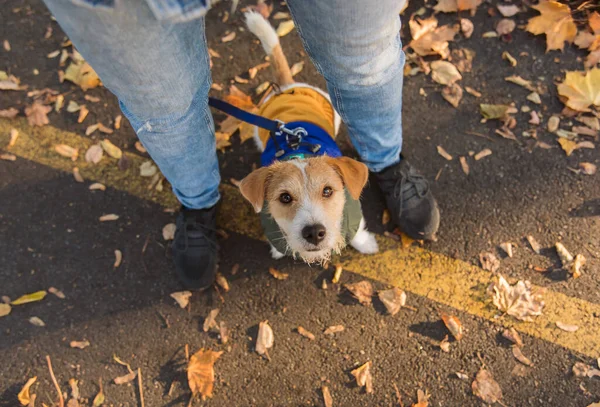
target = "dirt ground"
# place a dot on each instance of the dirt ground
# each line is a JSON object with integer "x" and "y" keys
{"x": 51, "y": 237}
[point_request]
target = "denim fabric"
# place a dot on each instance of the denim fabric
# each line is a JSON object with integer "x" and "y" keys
{"x": 159, "y": 69}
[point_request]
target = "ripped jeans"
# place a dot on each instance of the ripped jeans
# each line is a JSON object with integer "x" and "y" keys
{"x": 159, "y": 69}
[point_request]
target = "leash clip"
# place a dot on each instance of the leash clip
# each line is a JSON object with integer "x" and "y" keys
{"x": 293, "y": 137}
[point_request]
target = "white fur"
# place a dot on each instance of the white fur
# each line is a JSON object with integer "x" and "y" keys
{"x": 276, "y": 254}
{"x": 260, "y": 27}
{"x": 364, "y": 241}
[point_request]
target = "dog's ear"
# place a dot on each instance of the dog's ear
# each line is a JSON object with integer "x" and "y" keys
{"x": 253, "y": 187}
{"x": 354, "y": 174}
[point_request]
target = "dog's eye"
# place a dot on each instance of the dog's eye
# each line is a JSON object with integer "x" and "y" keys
{"x": 327, "y": 192}
{"x": 285, "y": 198}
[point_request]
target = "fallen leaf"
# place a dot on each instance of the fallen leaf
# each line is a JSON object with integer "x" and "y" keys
{"x": 10, "y": 82}
{"x": 285, "y": 27}
{"x": 210, "y": 320}
{"x": 517, "y": 80}
{"x": 556, "y": 22}
{"x": 576, "y": 265}
{"x": 99, "y": 399}
{"x": 79, "y": 344}
{"x": 385, "y": 217}
{"x": 506, "y": 133}
{"x": 517, "y": 300}
{"x": 182, "y": 298}
{"x": 337, "y": 274}
{"x": 4, "y": 309}
{"x": 393, "y": 299}
{"x": 464, "y": 165}
{"x": 518, "y": 354}
{"x": 118, "y": 258}
{"x": 482, "y": 154}
{"x": 125, "y": 378}
{"x": 486, "y": 388}
{"x": 9, "y": 113}
{"x": 111, "y": 149}
{"x": 454, "y": 325}
{"x": 306, "y": 333}
{"x": 444, "y": 72}
{"x": 472, "y": 91}
{"x": 580, "y": 369}
{"x": 581, "y": 90}
{"x": 566, "y": 327}
{"x": 327, "y": 399}
{"x": 362, "y": 291}
{"x": 201, "y": 372}
{"x": 587, "y": 168}
{"x": 363, "y": 377}
{"x": 83, "y": 112}
{"x": 535, "y": 98}
{"x": 450, "y": 6}
{"x": 37, "y": 114}
{"x": 36, "y": 321}
{"x": 506, "y": 55}
{"x": 592, "y": 122}
{"x": 278, "y": 274}
{"x": 453, "y": 94}
{"x": 428, "y": 39}
{"x": 507, "y": 247}
{"x": 82, "y": 74}
{"x": 23, "y": 396}
{"x": 91, "y": 129}
{"x": 67, "y": 151}
{"x": 333, "y": 329}
{"x": 6, "y": 45}
{"x": 445, "y": 345}
{"x": 461, "y": 376}
{"x": 14, "y": 135}
{"x": 496, "y": 111}
{"x": 508, "y": 10}
{"x": 222, "y": 282}
{"x": 489, "y": 261}
{"x": 535, "y": 246}
{"x": 33, "y": 297}
{"x": 77, "y": 175}
{"x": 168, "y": 231}
{"x": 281, "y": 15}
{"x": 73, "y": 106}
{"x": 148, "y": 169}
{"x": 466, "y": 26}
{"x": 97, "y": 186}
{"x": 265, "y": 339}
{"x": 8, "y": 157}
{"x": 512, "y": 335}
{"x": 262, "y": 87}
{"x": 565, "y": 257}
{"x": 108, "y": 218}
{"x": 297, "y": 68}
{"x": 223, "y": 333}
{"x": 505, "y": 26}
{"x": 94, "y": 154}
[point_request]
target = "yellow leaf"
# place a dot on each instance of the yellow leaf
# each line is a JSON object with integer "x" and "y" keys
{"x": 429, "y": 39}
{"x": 285, "y": 28}
{"x": 278, "y": 274}
{"x": 201, "y": 373}
{"x": 580, "y": 91}
{"x": 67, "y": 151}
{"x": 556, "y": 22}
{"x": 33, "y": 297}
{"x": 82, "y": 74}
{"x": 111, "y": 149}
{"x": 450, "y": 6}
{"x": 23, "y": 396}
{"x": 4, "y": 309}
{"x": 99, "y": 399}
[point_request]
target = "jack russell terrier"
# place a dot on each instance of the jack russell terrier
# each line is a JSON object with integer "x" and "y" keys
{"x": 306, "y": 192}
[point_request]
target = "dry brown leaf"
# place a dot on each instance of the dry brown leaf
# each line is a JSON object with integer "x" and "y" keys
{"x": 518, "y": 354}
{"x": 587, "y": 168}
{"x": 36, "y": 321}
{"x": 182, "y": 298}
{"x": 363, "y": 377}
{"x": 97, "y": 186}
{"x": 385, "y": 217}
{"x": 579, "y": 90}
{"x": 201, "y": 372}
{"x": 576, "y": 265}
{"x": 518, "y": 300}
{"x": 306, "y": 333}
{"x": 278, "y": 274}
{"x": 453, "y": 94}
{"x": 454, "y": 325}
{"x": 56, "y": 292}
{"x": 67, "y": 151}
{"x": 508, "y": 10}
{"x": 223, "y": 333}
{"x": 512, "y": 335}
{"x": 337, "y": 274}
{"x": 37, "y": 114}
{"x": 482, "y": 154}
{"x": 464, "y": 165}
{"x": 210, "y": 321}
{"x": 489, "y": 261}
{"x": 281, "y": 15}
{"x": 486, "y": 388}
{"x": 285, "y": 27}
{"x": 565, "y": 257}
{"x": 222, "y": 282}
{"x": 362, "y": 291}
{"x": 496, "y": 111}
{"x": 9, "y": 113}
{"x": 517, "y": 80}
{"x": 428, "y": 39}
{"x": 109, "y": 217}
{"x": 111, "y": 149}
{"x": 333, "y": 329}
{"x": 77, "y": 175}
{"x": 556, "y": 22}
{"x": 505, "y": 26}
{"x": 94, "y": 154}
{"x": 580, "y": 369}
{"x": 262, "y": 8}
{"x": 393, "y": 299}
{"x": 444, "y": 153}
{"x": 535, "y": 246}
{"x": 83, "y": 112}
{"x": 450, "y": 6}
{"x": 535, "y": 98}
{"x": 10, "y": 82}
{"x": 473, "y": 92}
{"x": 8, "y": 157}
{"x": 23, "y": 396}
{"x": 297, "y": 68}
{"x": 148, "y": 169}
{"x": 327, "y": 399}
{"x": 118, "y": 258}
{"x": 466, "y": 26}
{"x": 168, "y": 231}
{"x": 4, "y": 309}
{"x": 265, "y": 339}
{"x": 228, "y": 37}
{"x": 444, "y": 72}
{"x": 566, "y": 327}
{"x": 125, "y": 378}
{"x": 507, "y": 247}
{"x": 504, "y": 132}
{"x": 14, "y": 135}
{"x": 445, "y": 344}
{"x": 79, "y": 344}
{"x": 82, "y": 74}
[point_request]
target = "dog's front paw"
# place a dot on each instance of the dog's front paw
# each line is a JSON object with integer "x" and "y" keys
{"x": 365, "y": 242}
{"x": 276, "y": 254}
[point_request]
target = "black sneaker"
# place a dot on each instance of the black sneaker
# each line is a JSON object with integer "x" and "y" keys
{"x": 409, "y": 200}
{"x": 195, "y": 248}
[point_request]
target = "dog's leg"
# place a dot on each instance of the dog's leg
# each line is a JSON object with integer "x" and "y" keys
{"x": 276, "y": 254}
{"x": 364, "y": 241}
{"x": 269, "y": 39}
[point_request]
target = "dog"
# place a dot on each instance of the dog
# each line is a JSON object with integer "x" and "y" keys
{"x": 307, "y": 194}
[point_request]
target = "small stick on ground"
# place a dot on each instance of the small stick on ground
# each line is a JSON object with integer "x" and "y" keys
{"x": 187, "y": 352}
{"x": 398, "y": 395}
{"x": 61, "y": 400}
{"x": 139, "y": 375}
{"x": 146, "y": 244}
{"x": 473, "y": 133}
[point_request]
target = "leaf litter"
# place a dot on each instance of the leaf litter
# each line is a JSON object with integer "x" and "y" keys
{"x": 486, "y": 388}
{"x": 264, "y": 339}
{"x": 393, "y": 299}
{"x": 201, "y": 372}
{"x": 363, "y": 377}
{"x": 362, "y": 291}
{"x": 454, "y": 325}
{"x": 519, "y": 300}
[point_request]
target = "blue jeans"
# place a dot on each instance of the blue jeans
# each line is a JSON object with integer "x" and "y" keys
{"x": 159, "y": 70}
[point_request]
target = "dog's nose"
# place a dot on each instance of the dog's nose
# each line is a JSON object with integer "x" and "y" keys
{"x": 314, "y": 233}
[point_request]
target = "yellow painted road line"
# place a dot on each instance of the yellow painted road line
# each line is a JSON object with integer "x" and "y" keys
{"x": 447, "y": 281}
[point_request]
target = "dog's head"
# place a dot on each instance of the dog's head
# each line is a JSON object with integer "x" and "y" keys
{"x": 306, "y": 198}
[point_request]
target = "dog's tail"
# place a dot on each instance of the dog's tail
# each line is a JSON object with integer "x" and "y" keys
{"x": 269, "y": 39}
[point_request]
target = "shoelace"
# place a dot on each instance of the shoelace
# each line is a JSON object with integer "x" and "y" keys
{"x": 191, "y": 223}
{"x": 412, "y": 178}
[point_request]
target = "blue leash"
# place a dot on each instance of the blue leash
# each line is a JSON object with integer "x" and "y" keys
{"x": 259, "y": 121}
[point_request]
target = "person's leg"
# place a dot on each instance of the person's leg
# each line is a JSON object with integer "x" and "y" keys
{"x": 160, "y": 73}
{"x": 356, "y": 45}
